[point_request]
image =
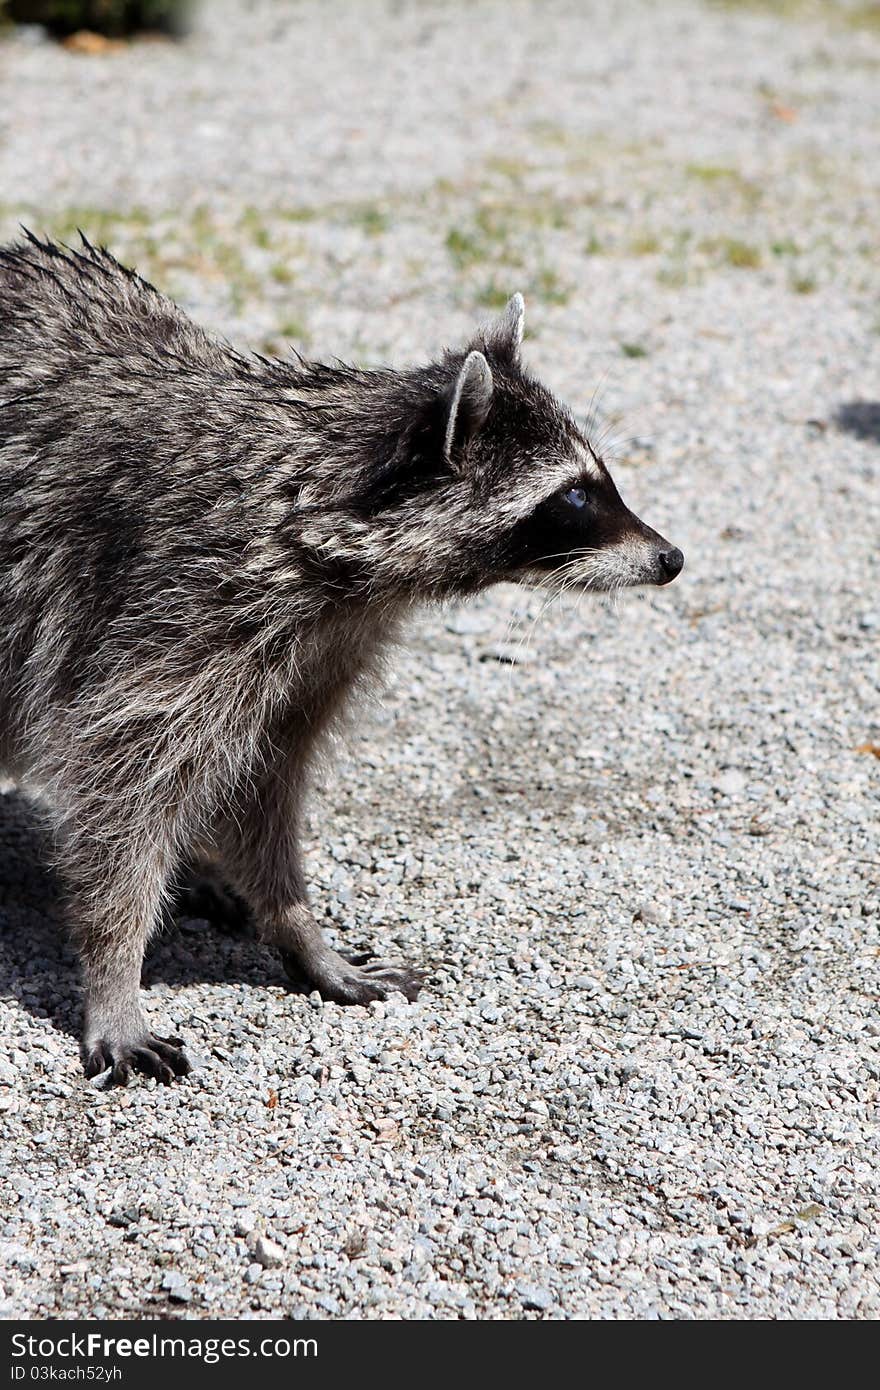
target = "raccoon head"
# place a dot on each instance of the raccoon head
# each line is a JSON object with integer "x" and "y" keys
{"x": 546, "y": 506}
{"x": 441, "y": 480}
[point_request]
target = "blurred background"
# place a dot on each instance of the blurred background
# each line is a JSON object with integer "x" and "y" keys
{"x": 367, "y": 177}
{"x": 636, "y": 849}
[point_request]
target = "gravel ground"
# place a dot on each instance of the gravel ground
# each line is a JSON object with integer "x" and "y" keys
{"x": 640, "y": 862}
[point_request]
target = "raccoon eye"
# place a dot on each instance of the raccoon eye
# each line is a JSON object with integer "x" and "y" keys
{"x": 576, "y": 496}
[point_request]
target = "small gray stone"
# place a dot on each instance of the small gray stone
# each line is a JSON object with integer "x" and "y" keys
{"x": 535, "y": 1296}
{"x": 268, "y": 1253}
{"x": 177, "y": 1288}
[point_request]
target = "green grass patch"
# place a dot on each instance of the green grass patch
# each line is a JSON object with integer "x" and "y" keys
{"x": 252, "y": 223}
{"x": 679, "y": 268}
{"x": 742, "y": 255}
{"x": 633, "y": 349}
{"x": 863, "y": 16}
{"x": 372, "y": 219}
{"x": 514, "y": 170}
{"x": 293, "y": 330}
{"x": 674, "y": 276}
{"x": 550, "y": 133}
{"x": 725, "y": 182}
{"x": 646, "y": 244}
{"x": 102, "y": 227}
{"x": 803, "y": 284}
{"x": 493, "y": 295}
{"x": 298, "y": 214}
{"x": 710, "y": 173}
{"x": 465, "y": 249}
{"x": 858, "y": 16}
{"x": 486, "y": 240}
{"x": 547, "y": 286}
{"x": 784, "y": 9}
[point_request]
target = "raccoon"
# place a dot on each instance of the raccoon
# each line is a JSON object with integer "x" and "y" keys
{"x": 204, "y": 555}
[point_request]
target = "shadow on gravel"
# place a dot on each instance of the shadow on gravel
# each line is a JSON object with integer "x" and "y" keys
{"x": 196, "y": 953}
{"x": 861, "y": 418}
{"x": 38, "y": 967}
{"x": 37, "y": 964}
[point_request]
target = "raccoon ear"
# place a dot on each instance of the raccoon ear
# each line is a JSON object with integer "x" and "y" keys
{"x": 506, "y": 334}
{"x": 469, "y": 406}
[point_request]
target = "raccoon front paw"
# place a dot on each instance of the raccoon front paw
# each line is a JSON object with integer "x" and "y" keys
{"x": 149, "y": 1054}
{"x": 353, "y": 979}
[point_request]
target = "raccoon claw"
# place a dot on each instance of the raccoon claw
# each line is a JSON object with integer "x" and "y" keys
{"x": 353, "y": 979}
{"x": 379, "y": 974}
{"x": 158, "y": 1057}
{"x": 298, "y": 973}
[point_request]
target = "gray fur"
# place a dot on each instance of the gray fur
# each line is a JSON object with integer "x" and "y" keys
{"x": 203, "y": 555}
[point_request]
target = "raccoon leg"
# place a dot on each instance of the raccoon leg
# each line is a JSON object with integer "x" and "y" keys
{"x": 345, "y": 979}
{"x": 262, "y": 850}
{"x": 200, "y": 891}
{"x": 114, "y": 916}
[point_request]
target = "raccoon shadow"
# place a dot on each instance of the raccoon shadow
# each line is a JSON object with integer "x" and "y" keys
{"x": 859, "y": 418}
{"x": 38, "y": 965}
{"x": 192, "y": 951}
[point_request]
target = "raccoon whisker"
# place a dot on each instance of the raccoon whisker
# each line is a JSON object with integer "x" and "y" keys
{"x": 522, "y": 647}
{"x": 516, "y": 617}
{"x": 607, "y": 441}
{"x": 570, "y": 576}
{"x": 609, "y": 437}
{"x": 530, "y": 624}
{"x": 580, "y": 581}
{"x": 595, "y": 454}
{"x": 598, "y": 389}
{"x": 619, "y": 447}
{"x": 571, "y": 554}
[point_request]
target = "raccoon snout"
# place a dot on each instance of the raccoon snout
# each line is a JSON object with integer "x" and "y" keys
{"x": 671, "y": 562}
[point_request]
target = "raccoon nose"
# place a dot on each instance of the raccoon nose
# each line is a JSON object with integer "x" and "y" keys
{"x": 671, "y": 562}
